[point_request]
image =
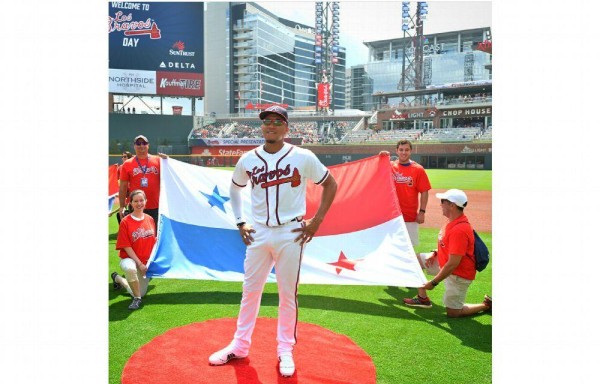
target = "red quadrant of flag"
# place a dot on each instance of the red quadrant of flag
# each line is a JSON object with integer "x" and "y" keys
{"x": 365, "y": 197}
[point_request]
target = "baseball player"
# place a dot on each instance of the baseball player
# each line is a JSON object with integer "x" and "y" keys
{"x": 276, "y": 233}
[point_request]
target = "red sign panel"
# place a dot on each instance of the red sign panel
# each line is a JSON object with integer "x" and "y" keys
{"x": 324, "y": 94}
{"x": 179, "y": 83}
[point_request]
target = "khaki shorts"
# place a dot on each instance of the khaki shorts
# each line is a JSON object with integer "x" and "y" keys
{"x": 456, "y": 291}
{"x": 413, "y": 232}
{"x": 133, "y": 274}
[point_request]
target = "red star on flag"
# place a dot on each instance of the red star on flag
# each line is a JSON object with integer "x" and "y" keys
{"x": 344, "y": 263}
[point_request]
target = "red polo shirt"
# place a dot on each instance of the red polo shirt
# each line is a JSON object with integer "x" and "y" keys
{"x": 457, "y": 239}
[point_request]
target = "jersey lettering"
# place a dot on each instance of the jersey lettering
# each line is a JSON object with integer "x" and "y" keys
{"x": 138, "y": 170}
{"x": 141, "y": 233}
{"x": 401, "y": 179}
{"x": 259, "y": 176}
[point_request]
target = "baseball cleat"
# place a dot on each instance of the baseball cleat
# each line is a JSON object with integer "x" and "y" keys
{"x": 116, "y": 286}
{"x": 286, "y": 365}
{"x": 223, "y": 356}
{"x": 135, "y": 304}
{"x": 418, "y": 301}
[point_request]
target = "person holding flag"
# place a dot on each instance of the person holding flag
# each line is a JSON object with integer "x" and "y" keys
{"x": 276, "y": 232}
{"x": 135, "y": 240}
{"x": 142, "y": 171}
{"x": 454, "y": 261}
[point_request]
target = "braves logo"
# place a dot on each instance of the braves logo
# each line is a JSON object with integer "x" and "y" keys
{"x": 138, "y": 170}
{"x": 401, "y": 179}
{"x": 141, "y": 233}
{"x": 259, "y": 176}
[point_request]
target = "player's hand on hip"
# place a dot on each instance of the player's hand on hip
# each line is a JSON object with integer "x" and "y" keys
{"x": 308, "y": 230}
{"x": 246, "y": 232}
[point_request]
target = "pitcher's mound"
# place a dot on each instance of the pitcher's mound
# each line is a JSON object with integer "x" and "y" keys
{"x": 180, "y": 356}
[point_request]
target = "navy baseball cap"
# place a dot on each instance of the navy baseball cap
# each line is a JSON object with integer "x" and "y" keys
{"x": 276, "y": 109}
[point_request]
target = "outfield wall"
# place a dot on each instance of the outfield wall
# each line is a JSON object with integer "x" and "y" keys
{"x": 464, "y": 155}
{"x": 170, "y": 130}
{"x": 169, "y": 134}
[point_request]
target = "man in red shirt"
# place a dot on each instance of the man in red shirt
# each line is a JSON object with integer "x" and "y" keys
{"x": 141, "y": 172}
{"x": 454, "y": 260}
{"x": 412, "y": 189}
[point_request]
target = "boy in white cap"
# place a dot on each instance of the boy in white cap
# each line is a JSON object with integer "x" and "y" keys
{"x": 454, "y": 261}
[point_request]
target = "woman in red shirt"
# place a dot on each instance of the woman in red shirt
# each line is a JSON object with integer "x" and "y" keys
{"x": 135, "y": 240}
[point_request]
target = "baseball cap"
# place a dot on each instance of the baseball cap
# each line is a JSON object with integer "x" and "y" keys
{"x": 140, "y": 137}
{"x": 276, "y": 109}
{"x": 455, "y": 196}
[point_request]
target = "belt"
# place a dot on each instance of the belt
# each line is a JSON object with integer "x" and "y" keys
{"x": 298, "y": 219}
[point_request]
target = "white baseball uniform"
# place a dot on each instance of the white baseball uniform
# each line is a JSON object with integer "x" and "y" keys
{"x": 278, "y": 198}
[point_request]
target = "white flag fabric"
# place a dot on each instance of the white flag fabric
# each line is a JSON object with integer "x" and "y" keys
{"x": 362, "y": 241}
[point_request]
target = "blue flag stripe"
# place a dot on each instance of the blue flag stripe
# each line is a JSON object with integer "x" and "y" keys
{"x": 184, "y": 246}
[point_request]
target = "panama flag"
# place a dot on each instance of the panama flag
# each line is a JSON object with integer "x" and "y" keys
{"x": 362, "y": 241}
{"x": 113, "y": 185}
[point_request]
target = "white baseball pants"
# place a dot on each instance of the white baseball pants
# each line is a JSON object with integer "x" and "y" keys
{"x": 272, "y": 246}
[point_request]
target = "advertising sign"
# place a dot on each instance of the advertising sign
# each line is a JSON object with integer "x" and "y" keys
{"x": 131, "y": 81}
{"x": 324, "y": 95}
{"x": 179, "y": 83}
{"x": 160, "y": 37}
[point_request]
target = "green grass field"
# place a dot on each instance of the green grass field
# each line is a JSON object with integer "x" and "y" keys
{"x": 468, "y": 180}
{"x": 407, "y": 345}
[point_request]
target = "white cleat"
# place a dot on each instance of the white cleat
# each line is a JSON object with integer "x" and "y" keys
{"x": 224, "y": 355}
{"x": 286, "y": 365}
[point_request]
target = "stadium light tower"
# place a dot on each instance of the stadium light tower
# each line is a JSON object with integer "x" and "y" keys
{"x": 327, "y": 45}
{"x": 412, "y": 28}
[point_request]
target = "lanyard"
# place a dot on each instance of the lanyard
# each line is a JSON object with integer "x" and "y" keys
{"x": 145, "y": 167}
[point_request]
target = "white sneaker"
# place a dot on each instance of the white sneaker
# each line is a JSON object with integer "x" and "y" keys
{"x": 224, "y": 355}
{"x": 286, "y": 365}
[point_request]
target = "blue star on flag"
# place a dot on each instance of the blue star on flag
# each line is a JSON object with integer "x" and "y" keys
{"x": 215, "y": 199}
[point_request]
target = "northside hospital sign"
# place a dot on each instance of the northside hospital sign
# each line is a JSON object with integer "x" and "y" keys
{"x": 156, "y": 48}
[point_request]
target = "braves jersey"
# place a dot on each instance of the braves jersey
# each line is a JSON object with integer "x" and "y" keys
{"x": 140, "y": 235}
{"x": 134, "y": 170}
{"x": 410, "y": 180}
{"x": 278, "y": 182}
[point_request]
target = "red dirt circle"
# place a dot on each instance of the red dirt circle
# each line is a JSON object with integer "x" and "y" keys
{"x": 180, "y": 356}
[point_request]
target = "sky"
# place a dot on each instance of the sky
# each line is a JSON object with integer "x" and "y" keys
{"x": 362, "y": 21}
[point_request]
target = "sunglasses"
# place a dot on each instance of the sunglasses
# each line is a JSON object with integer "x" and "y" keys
{"x": 445, "y": 201}
{"x": 139, "y": 142}
{"x": 276, "y": 123}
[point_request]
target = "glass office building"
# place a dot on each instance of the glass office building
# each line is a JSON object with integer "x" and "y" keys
{"x": 448, "y": 59}
{"x": 261, "y": 59}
